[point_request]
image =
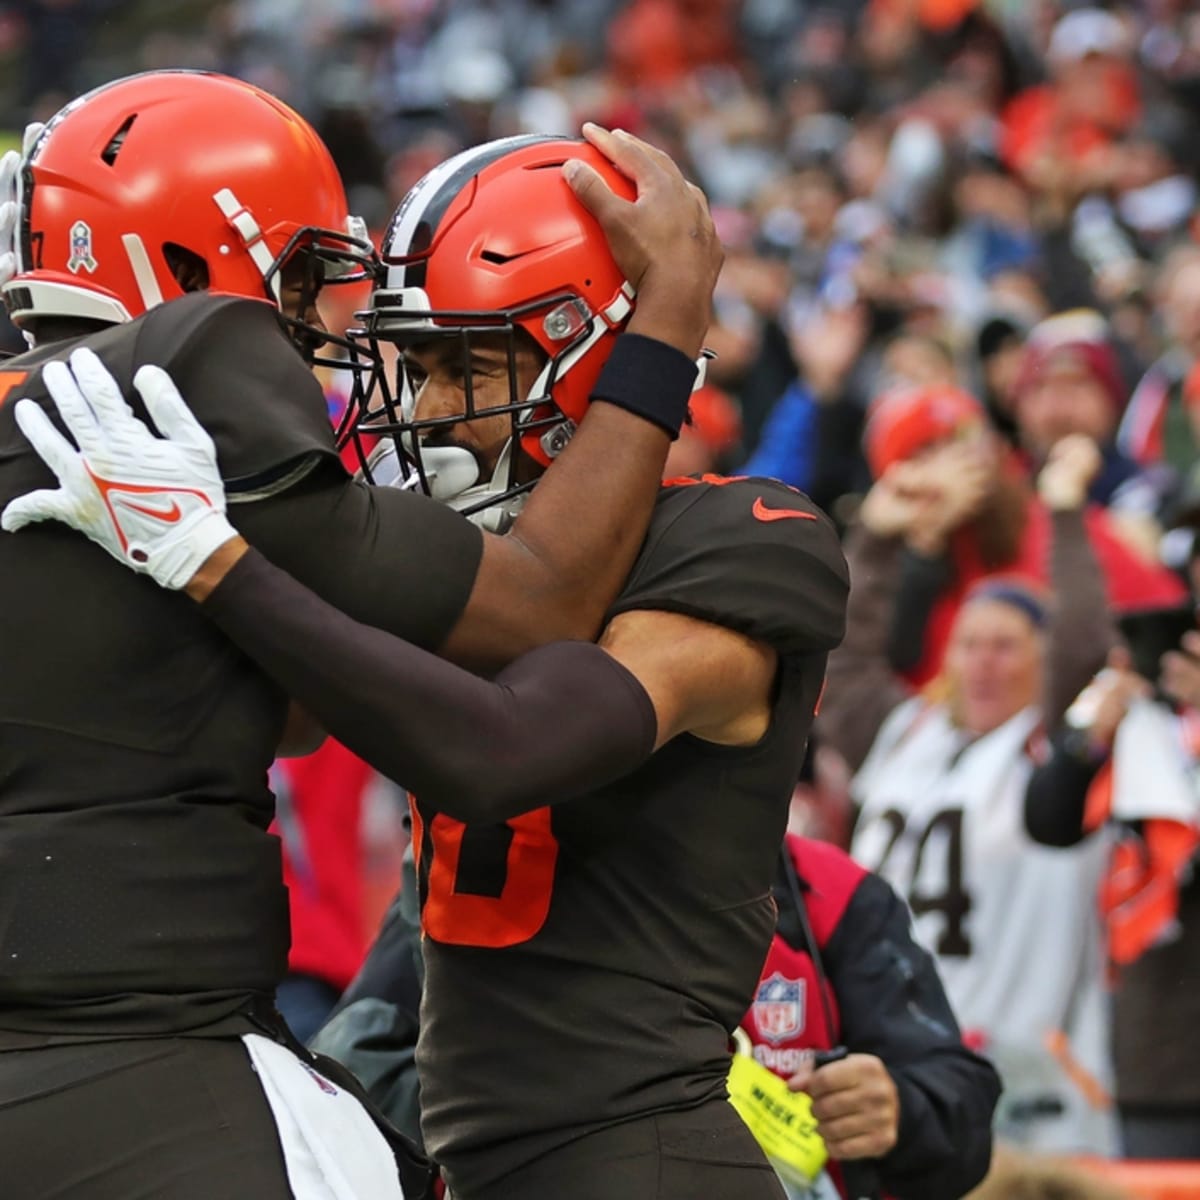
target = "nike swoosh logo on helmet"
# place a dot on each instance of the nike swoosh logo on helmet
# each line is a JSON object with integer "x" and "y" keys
{"x": 762, "y": 513}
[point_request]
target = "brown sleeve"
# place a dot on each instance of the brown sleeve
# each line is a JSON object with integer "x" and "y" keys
{"x": 245, "y": 383}
{"x": 1081, "y": 629}
{"x": 861, "y": 689}
{"x": 389, "y": 558}
{"x": 475, "y": 749}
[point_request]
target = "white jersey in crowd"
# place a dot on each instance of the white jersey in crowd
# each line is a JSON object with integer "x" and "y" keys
{"x": 1014, "y": 925}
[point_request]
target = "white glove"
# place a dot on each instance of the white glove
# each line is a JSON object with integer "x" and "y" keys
{"x": 155, "y": 503}
{"x": 10, "y": 209}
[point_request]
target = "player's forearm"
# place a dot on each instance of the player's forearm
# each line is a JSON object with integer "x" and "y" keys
{"x": 678, "y": 316}
{"x": 215, "y": 567}
{"x": 587, "y": 517}
{"x": 564, "y": 720}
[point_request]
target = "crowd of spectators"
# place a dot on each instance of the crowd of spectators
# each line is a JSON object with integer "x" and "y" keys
{"x": 904, "y": 187}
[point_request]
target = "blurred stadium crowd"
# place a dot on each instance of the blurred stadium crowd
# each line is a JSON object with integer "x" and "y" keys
{"x": 938, "y": 215}
{"x": 904, "y": 187}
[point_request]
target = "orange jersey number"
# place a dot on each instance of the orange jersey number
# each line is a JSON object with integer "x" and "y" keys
{"x": 461, "y": 918}
{"x": 9, "y": 381}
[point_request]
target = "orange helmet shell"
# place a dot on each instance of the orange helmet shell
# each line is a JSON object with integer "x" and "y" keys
{"x": 197, "y": 160}
{"x": 493, "y": 233}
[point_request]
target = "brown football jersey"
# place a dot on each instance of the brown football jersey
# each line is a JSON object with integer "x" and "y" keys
{"x": 586, "y": 963}
{"x": 139, "y": 889}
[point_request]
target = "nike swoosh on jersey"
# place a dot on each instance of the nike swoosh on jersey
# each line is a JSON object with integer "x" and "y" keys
{"x": 762, "y": 513}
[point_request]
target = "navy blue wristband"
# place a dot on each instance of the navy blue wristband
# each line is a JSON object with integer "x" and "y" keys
{"x": 648, "y": 378}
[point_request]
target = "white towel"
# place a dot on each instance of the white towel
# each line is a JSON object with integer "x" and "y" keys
{"x": 331, "y": 1147}
{"x": 1152, "y": 775}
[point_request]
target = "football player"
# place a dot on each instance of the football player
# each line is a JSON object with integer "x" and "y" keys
{"x": 597, "y": 826}
{"x": 143, "y": 923}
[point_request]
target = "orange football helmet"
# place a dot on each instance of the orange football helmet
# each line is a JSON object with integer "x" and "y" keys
{"x": 123, "y": 175}
{"x": 492, "y": 240}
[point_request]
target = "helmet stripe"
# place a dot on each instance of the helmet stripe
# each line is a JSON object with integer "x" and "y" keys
{"x": 427, "y": 202}
{"x": 143, "y": 272}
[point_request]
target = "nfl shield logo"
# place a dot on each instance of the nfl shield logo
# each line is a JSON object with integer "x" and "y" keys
{"x": 779, "y": 1007}
{"x": 81, "y": 249}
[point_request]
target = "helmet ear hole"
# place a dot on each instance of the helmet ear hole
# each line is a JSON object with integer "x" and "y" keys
{"x": 189, "y": 269}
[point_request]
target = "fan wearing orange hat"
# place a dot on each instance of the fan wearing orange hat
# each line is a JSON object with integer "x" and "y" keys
{"x": 906, "y": 422}
{"x": 959, "y": 508}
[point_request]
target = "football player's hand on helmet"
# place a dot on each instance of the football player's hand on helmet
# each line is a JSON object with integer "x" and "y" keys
{"x": 10, "y": 211}
{"x": 665, "y": 241}
{"x": 155, "y": 503}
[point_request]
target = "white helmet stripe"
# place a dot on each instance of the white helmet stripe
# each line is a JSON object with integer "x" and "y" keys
{"x": 433, "y": 191}
{"x": 245, "y": 225}
{"x": 143, "y": 272}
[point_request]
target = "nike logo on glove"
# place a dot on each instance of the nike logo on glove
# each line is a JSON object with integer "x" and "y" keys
{"x": 168, "y": 516}
{"x": 762, "y": 513}
{"x": 117, "y": 496}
